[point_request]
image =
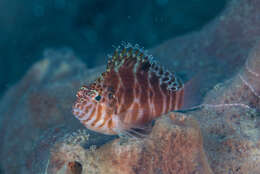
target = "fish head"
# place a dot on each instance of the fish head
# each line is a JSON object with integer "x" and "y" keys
{"x": 94, "y": 103}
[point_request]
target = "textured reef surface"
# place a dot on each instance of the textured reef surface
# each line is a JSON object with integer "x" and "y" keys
{"x": 40, "y": 135}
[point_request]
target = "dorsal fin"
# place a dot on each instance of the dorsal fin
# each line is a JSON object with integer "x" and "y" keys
{"x": 127, "y": 52}
{"x": 127, "y": 55}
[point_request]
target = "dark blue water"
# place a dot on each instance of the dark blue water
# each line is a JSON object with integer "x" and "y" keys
{"x": 90, "y": 28}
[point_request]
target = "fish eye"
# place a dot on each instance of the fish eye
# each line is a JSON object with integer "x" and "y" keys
{"x": 98, "y": 98}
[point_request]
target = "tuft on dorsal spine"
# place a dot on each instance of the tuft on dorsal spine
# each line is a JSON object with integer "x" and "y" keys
{"x": 134, "y": 53}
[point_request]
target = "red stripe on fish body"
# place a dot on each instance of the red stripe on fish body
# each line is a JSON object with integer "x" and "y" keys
{"x": 133, "y": 91}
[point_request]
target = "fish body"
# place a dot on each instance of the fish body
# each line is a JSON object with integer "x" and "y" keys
{"x": 132, "y": 91}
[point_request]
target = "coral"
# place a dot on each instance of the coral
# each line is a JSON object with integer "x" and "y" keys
{"x": 215, "y": 53}
{"x": 174, "y": 146}
{"x": 251, "y": 73}
{"x": 37, "y": 111}
{"x": 222, "y": 137}
{"x": 63, "y": 157}
{"x": 243, "y": 89}
{"x": 79, "y": 137}
{"x": 63, "y": 152}
{"x": 231, "y": 131}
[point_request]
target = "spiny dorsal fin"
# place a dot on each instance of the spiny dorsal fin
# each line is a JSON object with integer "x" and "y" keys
{"x": 127, "y": 52}
{"x": 126, "y": 55}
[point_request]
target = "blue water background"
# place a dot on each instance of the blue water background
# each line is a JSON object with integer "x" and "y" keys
{"x": 90, "y": 28}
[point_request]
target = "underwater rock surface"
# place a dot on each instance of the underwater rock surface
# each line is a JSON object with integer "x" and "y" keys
{"x": 36, "y": 112}
{"x": 216, "y": 52}
{"x": 174, "y": 146}
{"x": 40, "y": 135}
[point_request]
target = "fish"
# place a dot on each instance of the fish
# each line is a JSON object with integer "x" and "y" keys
{"x": 133, "y": 91}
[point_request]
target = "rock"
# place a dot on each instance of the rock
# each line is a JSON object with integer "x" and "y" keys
{"x": 243, "y": 89}
{"x": 37, "y": 111}
{"x": 215, "y": 53}
{"x": 174, "y": 146}
{"x": 230, "y": 121}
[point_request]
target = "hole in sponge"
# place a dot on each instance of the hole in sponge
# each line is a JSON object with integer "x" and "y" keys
{"x": 75, "y": 167}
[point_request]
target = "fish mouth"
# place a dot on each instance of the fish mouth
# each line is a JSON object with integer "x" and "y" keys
{"x": 82, "y": 112}
{"x": 76, "y": 112}
{"x": 79, "y": 114}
